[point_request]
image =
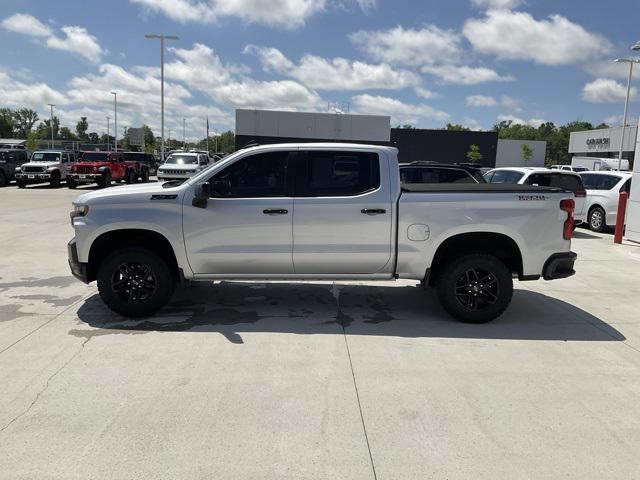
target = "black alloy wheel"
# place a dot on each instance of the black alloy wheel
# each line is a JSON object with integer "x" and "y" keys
{"x": 134, "y": 282}
{"x": 474, "y": 288}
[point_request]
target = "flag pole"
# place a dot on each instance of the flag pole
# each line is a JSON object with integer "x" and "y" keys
{"x": 207, "y": 134}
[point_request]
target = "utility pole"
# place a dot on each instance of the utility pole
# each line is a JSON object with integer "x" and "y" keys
{"x": 115, "y": 120}
{"x": 184, "y": 144}
{"x": 108, "y": 139}
{"x": 162, "y": 38}
{"x": 51, "y": 105}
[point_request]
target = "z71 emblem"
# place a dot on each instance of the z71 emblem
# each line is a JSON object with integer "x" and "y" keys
{"x": 531, "y": 197}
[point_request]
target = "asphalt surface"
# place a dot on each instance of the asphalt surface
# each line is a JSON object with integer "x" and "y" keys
{"x": 241, "y": 380}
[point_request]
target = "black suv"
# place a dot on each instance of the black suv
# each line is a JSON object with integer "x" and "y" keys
{"x": 10, "y": 159}
{"x": 147, "y": 160}
{"x": 431, "y": 172}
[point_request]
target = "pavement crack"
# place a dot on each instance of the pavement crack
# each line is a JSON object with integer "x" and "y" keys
{"x": 335, "y": 290}
{"x": 46, "y": 386}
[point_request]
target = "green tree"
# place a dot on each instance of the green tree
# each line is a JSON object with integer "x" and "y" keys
{"x": 93, "y": 137}
{"x": 66, "y": 134}
{"x": 526, "y": 151}
{"x": 149, "y": 139}
{"x": 474, "y": 154}
{"x": 81, "y": 128}
{"x": 44, "y": 129}
{"x": 6, "y": 123}
{"x": 25, "y": 119}
{"x": 456, "y": 127}
{"x": 33, "y": 140}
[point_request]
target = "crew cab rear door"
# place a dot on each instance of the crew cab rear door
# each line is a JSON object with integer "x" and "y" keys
{"x": 342, "y": 220}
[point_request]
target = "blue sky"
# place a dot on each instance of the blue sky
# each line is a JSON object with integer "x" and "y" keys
{"x": 426, "y": 63}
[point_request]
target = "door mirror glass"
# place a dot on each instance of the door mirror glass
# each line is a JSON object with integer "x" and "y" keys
{"x": 201, "y": 195}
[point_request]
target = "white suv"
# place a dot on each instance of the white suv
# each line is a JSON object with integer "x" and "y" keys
{"x": 603, "y": 192}
{"x": 544, "y": 177}
{"x": 182, "y": 165}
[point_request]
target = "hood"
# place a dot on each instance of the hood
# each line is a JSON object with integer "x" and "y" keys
{"x": 126, "y": 193}
{"x": 178, "y": 166}
{"x": 41, "y": 164}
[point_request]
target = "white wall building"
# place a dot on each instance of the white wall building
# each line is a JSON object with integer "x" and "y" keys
{"x": 510, "y": 154}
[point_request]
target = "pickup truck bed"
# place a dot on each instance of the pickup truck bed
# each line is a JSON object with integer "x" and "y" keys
{"x": 320, "y": 211}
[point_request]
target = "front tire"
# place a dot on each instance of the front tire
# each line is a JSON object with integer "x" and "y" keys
{"x": 597, "y": 220}
{"x": 135, "y": 282}
{"x": 105, "y": 181}
{"x": 71, "y": 183}
{"x": 3, "y": 179}
{"x": 21, "y": 184}
{"x": 131, "y": 177}
{"x": 475, "y": 288}
{"x": 55, "y": 180}
{"x": 144, "y": 178}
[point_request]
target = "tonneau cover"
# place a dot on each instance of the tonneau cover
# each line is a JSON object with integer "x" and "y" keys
{"x": 476, "y": 188}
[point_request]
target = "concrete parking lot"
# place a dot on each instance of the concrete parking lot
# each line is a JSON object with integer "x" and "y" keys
{"x": 318, "y": 380}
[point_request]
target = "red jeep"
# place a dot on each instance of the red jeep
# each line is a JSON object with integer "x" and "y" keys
{"x": 102, "y": 168}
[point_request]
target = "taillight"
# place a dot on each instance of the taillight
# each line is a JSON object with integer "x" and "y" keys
{"x": 567, "y": 206}
{"x": 580, "y": 193}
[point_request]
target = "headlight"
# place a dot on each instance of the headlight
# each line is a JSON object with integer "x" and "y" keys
{"x": 18, "y": 169}
{"x": 79, "y": 211}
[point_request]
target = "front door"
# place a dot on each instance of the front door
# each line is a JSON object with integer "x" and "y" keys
{"x": 342, "y": 213}
{"x": 246, "y": 227}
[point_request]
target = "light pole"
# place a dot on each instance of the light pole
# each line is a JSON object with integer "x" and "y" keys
{"x": 184, "y": 144}
{"x": 162, "y": 38}
{"x": 115, "y": 121}
{"x": 630, "y": 61}
{"x": 51, "y": 105}
{"x": 108, "y": 139}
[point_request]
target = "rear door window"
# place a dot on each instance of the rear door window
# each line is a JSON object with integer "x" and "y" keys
{"x": 337, "y": 173}
{"x": 599, "y": 182}
{"x": 505, "y": 176}
{"x": 556, "y": 180}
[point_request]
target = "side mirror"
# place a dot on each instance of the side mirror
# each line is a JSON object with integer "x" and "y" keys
{"x": 201, "y": 195}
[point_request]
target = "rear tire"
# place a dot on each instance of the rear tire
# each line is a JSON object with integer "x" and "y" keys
{"x": 597, "y": 220}
{"x": 131, "y": 177}
{"x": 3, "y": 179}
{"x": 55, "y": 180}
{"x": 144, "y": 178}
{"x": 135, "y": 282}
{"x": 475, "y": 288}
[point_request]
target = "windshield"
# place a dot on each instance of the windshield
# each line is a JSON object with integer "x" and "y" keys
{"x": 45, "y": 157}
{"x": 95, "y": 157}
{"x": 182, "y": 159}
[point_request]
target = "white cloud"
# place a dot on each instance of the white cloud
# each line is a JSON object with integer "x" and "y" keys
{"x": 18, "y": 93}
{"x": 496, "y": 4}
{"x": 480, "y": 101}
{"x": 606, "y": 90}
{"x": 279, "y": 13}
{"x": 400, "y": 112}
{"x": 465, "y": 75}
{"x": 608, "y": 69}
{"x": 471, "y": 123}
{"x": 410, "y": 47}
{"x": 489, "y": 101}
{"x": 519, "y": 36}
{"x": 335, "y": 74}
{"x": 533, "y": 122}
{"x": 425, "y": 93}
{"x": 26, "y": 24}
{"x": 75, "y": 39}
{"x": 615, "y": 120}
{"x": 200, "y": 68}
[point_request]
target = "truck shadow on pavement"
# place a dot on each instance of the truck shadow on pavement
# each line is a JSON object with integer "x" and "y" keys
{"x": 233, "y": 308}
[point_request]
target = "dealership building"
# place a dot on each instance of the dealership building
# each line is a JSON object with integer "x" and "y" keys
{"x": 604, "y": 143}
{"x": 443, "y": 146}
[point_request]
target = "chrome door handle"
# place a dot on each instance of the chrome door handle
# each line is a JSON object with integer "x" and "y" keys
{"x": 373, "y": 211}
{"x": 275, "y": 211}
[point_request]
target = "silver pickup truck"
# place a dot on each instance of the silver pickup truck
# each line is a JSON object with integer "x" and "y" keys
{"x": 320, "y": 211}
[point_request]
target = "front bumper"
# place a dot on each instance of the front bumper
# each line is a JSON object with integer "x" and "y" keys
{"x": 559, "y": 265}
{"x": 33, "y": 177}
{"x": 78, "y": 270}
{"x": 85, "y": 177}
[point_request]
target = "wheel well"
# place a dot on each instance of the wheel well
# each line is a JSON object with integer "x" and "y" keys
{"x": 108, "y": 242}
{"x": 497, "y": 244}
{"x": 595, "y": 205}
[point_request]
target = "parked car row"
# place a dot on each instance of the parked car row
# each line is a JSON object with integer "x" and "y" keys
{"x": 596, "y": 193}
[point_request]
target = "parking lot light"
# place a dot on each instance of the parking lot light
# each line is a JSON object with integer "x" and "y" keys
{"x": 51, "y": 105}
{"x": 162, "y": 38}
{"x": 630, "y": 61}
{"x": 115, "y": 120}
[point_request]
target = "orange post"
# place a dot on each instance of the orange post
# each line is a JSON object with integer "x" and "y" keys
{"x": 622, "y": 210}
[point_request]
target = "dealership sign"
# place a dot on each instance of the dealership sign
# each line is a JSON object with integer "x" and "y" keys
{"x": 603, "y": 142}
